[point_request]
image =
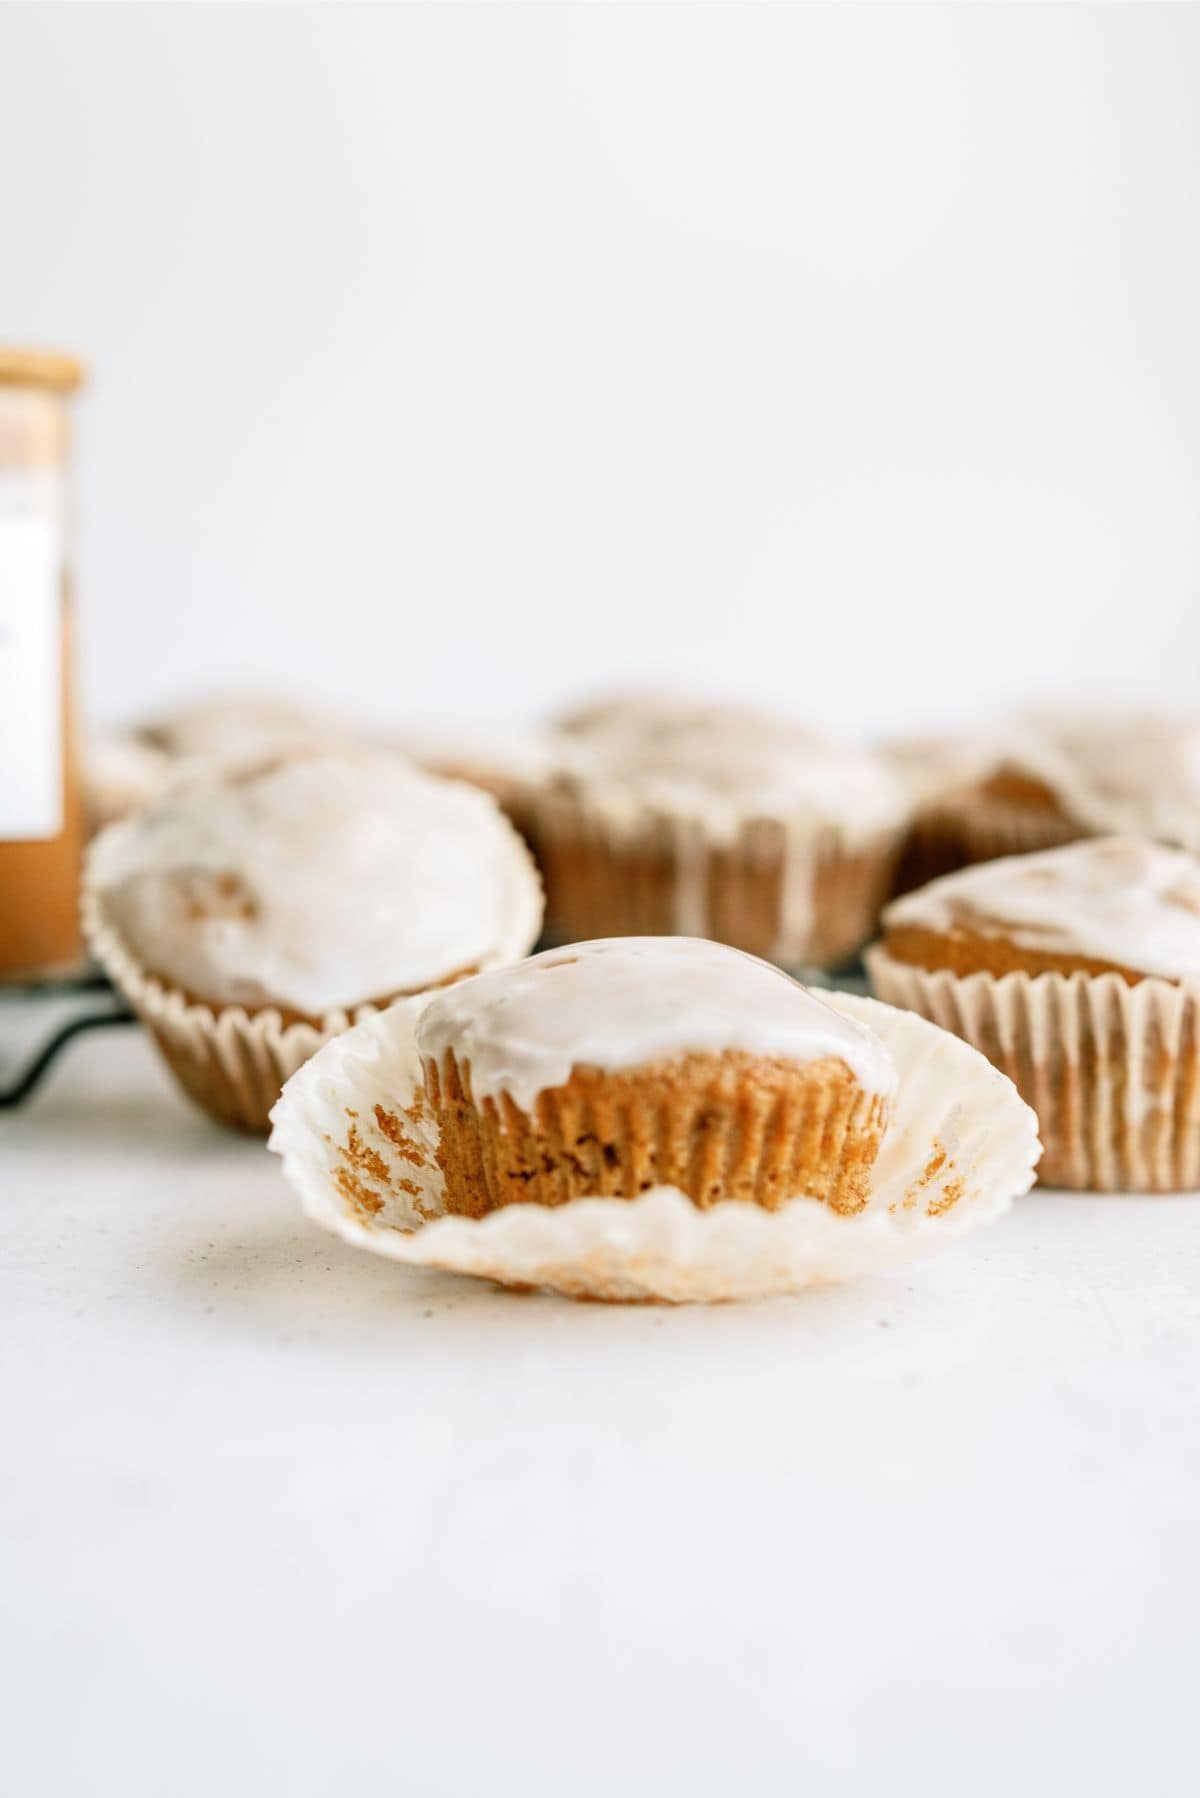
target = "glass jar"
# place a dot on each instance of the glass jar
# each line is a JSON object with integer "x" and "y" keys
{"x": 41, "y": 814}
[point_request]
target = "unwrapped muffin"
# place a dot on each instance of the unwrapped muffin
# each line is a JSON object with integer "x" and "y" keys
{"x": 515, "y": 1129}
{"x": 261, "y": 902}
{"x": 700, "y": 820}
{"x": 1077, "y": 972}
{"x": 611, "y": 1067}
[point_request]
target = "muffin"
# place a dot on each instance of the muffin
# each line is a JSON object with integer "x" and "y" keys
{"x": 1123, "y": 775}
{"x": 362, "y": 1146}
{"x": 260, "y": 902}
{"x": 1077, "y": 972}
{"x": 715, "y": 821}
{"x": 977, "y": 796}
{"x": 1047, "y": 780}
{"x": 609, "y": 1068}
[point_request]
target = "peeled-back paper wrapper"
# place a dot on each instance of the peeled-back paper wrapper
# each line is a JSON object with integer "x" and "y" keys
{"x": 1111, "y": 1069}
{"x": 233, "y": 1063}
{"x": 359, "y": 1146}
{"x": 797, "y": 892}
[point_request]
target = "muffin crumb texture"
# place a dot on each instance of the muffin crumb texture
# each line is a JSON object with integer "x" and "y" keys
{"x": 719, "y": 1127}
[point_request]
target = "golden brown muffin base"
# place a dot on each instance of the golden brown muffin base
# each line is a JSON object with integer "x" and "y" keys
{"x": 668, "y": 880}
{"x": 733, "y": 1126}
{"x": 969, "y": 952}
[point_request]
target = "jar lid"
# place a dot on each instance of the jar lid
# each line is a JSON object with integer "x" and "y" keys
{"x": 40, "y": 368}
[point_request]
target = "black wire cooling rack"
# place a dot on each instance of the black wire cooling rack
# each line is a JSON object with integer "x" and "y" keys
{"x": 84, "y": 1004}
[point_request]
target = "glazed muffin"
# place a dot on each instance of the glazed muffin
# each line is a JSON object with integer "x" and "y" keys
{"x": 611, "y": 1067}
{"x": 1045, "y": 781}
{"x": 713, "y": 821}
{"x": 1123, "y": 775}
{"x": 1077, "y": 972}
{"x": 259, "y": 903}
{"x": 977, "y": 796}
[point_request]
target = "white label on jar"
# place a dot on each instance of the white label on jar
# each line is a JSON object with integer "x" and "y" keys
{"x": 31, "y": 694}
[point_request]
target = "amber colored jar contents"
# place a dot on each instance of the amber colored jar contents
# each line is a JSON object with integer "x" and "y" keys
{"x": 41, "y": 815}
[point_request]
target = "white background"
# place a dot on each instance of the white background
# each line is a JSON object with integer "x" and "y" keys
{"x": 455, "y": 359}
{"x": 282, "y": 1520}
{"x": 452, "y": 360}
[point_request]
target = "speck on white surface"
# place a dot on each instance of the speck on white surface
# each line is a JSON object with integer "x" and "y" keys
{"x": 281, "y": 1518}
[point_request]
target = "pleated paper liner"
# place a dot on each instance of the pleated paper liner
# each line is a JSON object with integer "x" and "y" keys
{"x": 795, "y": 892}
{"x": 1112, "y": 1070}
{"x": 359, "y": 1146}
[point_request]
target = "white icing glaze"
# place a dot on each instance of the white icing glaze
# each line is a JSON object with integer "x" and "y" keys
{"x": 797, "y": 901}
{"x": 1114, "y": 899}
{"x": 626, "y": 1001}
{"x": 722, "y": 767}
{"x": 934, "y": 767}
{"x": 1135, "y": 775}
{"x": 316, "y": 882}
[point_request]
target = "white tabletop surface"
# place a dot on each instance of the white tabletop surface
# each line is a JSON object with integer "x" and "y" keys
{"x": 280, "y": 1517}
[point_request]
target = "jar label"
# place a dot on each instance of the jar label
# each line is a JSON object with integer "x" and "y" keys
{"x": 31, "y": 652}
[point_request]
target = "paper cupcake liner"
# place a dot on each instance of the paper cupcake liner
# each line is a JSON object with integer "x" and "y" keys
{"x": 232, "y": 1063}
{"x": 359, "y": 1146}
{"x": 795, "y": 892}
{"x": 1112, "y": 1070}
{"x": 609, "y": 1134}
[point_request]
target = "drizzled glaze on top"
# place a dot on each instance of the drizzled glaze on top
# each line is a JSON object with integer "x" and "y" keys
{"x": 1121, "y": 901}
{"x": 625, "y": 1001}
{"x": 1120, "y": 776}
{"x": 722, "y": 766}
